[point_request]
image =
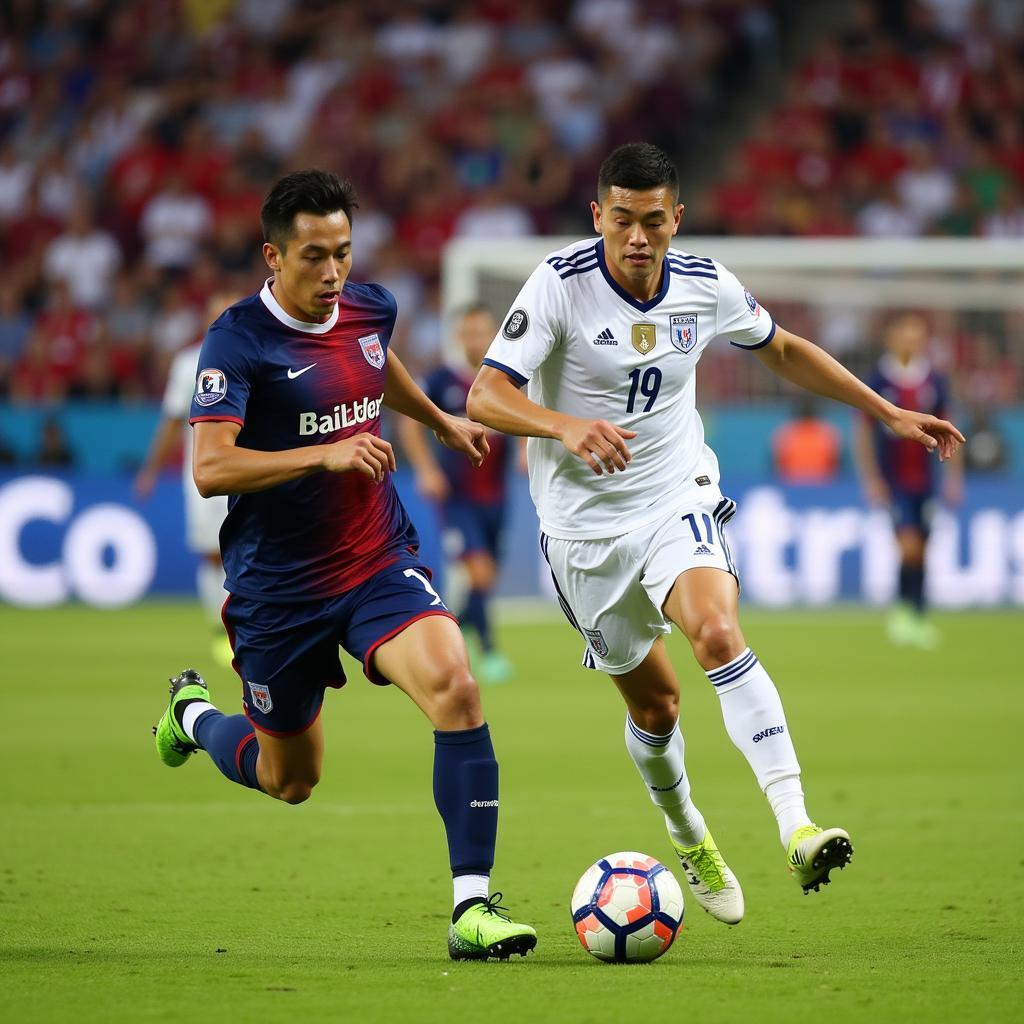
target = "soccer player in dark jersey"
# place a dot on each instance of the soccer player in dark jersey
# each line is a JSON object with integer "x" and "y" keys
{"x": 472, "y": 498}
{"x": 318, "y": 550}
{"x": 897, "y": 473}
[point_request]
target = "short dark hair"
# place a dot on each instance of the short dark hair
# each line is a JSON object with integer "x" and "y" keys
{"x": 637, "y": 165}
{"x": 309, "y": 191}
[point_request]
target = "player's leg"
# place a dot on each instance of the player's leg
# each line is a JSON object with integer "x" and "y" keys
{"x": 703, "y": 602}
{"x": 907, "y": 624}
{"x": 204, "y": 517}
{"x": 277, "y": 745}
{"x": 655, "y": 743}
{"x": 405, "y": 636}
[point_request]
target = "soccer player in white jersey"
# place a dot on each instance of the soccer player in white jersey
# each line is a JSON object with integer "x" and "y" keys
{"x": 595, "y": 364}
{"x": 203, "y": 516}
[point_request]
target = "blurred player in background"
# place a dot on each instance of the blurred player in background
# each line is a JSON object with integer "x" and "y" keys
{"x": 897, "y": 473}
{"x": 606, "y": 335}
{"x": 471, "y": 498}
{"x": 318, "y": 549}
{"x": 203, "y": 516}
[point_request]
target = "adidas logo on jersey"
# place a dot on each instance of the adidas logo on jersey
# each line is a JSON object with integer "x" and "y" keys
{"x": 349, "y": 415}
{"x": 605, "y": 338}
{"x": 702, "y": 549}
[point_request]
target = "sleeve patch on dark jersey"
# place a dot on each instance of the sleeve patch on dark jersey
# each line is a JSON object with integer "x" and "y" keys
{"x": 211, "y": 386}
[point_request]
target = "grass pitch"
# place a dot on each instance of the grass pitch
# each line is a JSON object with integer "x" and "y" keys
{"x": 131, "y": 892}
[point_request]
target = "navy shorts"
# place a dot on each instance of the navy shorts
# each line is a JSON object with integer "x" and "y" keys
{"x": 913, "y": 511}
{"x": 287, "y": 654}
{"x": 477, "y": 526}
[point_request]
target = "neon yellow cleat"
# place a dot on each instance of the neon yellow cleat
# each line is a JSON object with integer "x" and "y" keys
{"x": 814, "y": 852}
{"x": 173, "y": 746}
{"x": 711, "y": 880}
{"x": 483, "y": 931}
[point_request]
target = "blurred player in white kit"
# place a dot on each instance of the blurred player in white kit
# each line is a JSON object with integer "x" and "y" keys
{"x": 203, "y": 516}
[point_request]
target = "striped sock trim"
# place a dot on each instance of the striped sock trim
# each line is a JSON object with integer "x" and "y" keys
{"x": 739, "y": 665}
{"x": 648, "y": 737}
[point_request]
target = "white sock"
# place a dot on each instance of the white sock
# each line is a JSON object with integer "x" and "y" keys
{"x": 191, "y": 714}
{"x": 468, "y": 887}
{"x": 787, "y": 802}
{"x": 660, "y": 761}
{"x": 210, "y": 585}
{"x": 757, "y": 725}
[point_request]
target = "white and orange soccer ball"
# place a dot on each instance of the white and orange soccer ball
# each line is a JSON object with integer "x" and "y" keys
{"x": 627, "y": 908}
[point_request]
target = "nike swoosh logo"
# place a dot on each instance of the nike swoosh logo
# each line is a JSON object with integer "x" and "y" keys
{"x": 292, "y": 374}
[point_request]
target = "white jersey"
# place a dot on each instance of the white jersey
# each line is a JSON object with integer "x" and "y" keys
{"x": 203, "y": 516}
{"x": 584, "y": 346}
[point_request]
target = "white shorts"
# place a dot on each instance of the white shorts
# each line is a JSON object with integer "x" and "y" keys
{"x": 203, "y": 519}
{"x": 612, "y": 590}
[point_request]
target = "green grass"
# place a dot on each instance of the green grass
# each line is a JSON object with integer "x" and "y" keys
{"x": 130, "y": 892}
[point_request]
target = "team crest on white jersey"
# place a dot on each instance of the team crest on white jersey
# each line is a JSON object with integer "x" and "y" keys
{"x": 645, "y": 337}
{"x": 261, "y": 697}
{"x": 682, "y": 331}
{"x": 597, "y": 642}
{"x": 373, "y": 350}
{"x": 211, "y": 386}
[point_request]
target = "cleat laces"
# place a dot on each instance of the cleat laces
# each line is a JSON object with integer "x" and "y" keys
{"x": 492, "y": 905}
{"x": 705, "y": 865}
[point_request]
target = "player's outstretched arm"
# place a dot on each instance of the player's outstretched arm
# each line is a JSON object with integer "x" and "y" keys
{"x": 805, "y": 364}
{"x": 219, "y": 466}
{"x": 496, "y": 401}
{"x": 404, "y": 395}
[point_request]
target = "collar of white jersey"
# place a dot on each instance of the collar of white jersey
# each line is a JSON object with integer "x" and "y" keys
{"x": 666, "y": 277}
{"x": 906, "y": 376}
{"x": 289, "y": 321}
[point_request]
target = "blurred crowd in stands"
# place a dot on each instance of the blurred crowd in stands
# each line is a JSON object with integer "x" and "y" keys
{"x": 137, "y": 141}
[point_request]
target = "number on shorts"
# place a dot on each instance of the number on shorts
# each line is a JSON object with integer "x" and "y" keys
{"x": 416, "y": 574}
{"x": 692, "y": 519}
{"x": 648, "y": 385}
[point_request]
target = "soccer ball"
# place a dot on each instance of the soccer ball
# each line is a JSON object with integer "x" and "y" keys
{"x": 627, "y": 908}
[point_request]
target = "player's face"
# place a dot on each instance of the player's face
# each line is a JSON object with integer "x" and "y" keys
{"x": 637, "y": 228}
{"x": 475, "y": 333}
{"x": 907, "y": 338}
{"x": 311, "y": 269}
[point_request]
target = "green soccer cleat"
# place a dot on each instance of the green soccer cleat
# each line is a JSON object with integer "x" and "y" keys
{"x": 495, "y": 668}
{"x": 711, "y": 881}
{"x": 172, "y": 744}
{"x": 483, "y": 931}
{"x": 814, "y": 852}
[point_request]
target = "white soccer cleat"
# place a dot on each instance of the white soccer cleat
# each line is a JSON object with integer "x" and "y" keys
{"x": 711, "y": 881}
{"x": 813, "y": 852}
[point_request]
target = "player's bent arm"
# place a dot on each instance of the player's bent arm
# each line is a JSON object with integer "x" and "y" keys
{"x": 805, "y": 364}
{"x": 165, "y": 441}
{"x": 219, "y": 466}
{"x": 430, "y": 480}
{"x": 496, "y": 401}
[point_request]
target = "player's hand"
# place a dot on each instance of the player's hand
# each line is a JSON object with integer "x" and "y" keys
{"x": 600, "y": 444}
{"x": 876, "y": 491}
{"x": 930, "y": 431}
{"x": 362, "y": 453}
{"x": 462, "y": 435}
{"x": 144, "y": 484}
{"x": 432, "y": 484}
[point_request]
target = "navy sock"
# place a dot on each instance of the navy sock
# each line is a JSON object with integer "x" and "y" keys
{"x": 230, "y": 740}
{"x": 912, "y": 585}
{"x": 475, "y": 613}
{"x": 466, "y": 795}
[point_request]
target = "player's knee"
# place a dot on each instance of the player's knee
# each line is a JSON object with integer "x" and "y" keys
{"x": 457, "y": 697}
{"x": 295, "y": 791}
{"x": 657, "y": 715}
{"x": 717, "y": 640}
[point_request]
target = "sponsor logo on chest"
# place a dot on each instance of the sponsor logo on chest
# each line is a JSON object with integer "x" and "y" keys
{"x": 351, "y": 414}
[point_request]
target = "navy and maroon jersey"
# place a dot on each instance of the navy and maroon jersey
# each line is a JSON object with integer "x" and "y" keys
{"x": 448, "y": 387}
{"x": 907, "y": 466}
{"x": 290, "y": 383}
